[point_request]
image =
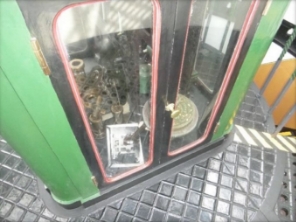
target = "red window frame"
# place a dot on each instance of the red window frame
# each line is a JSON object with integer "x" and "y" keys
{"x": 154, "y": 79}
{"x": 237, "y": 50}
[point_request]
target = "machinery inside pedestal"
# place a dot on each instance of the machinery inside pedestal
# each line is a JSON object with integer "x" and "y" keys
{"x": 113, "y": 76}
{"x": 109, "y": 48}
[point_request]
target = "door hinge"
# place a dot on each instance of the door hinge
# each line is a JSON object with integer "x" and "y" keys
{"x": 94, "y": 180}
{"x": 40, "y": 56}
{"x": 267, "y": 7}
{"x": 216, "y": 127}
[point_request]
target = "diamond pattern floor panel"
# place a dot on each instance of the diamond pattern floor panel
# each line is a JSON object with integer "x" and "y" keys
{"x": 230, "y": 186}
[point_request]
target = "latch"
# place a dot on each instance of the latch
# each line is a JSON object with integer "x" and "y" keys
{"x": 94, "y": 180}
{"x": 39, "y": 55}
{"x": 174, "y": 112}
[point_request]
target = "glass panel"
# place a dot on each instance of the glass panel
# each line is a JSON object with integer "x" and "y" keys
{"x": 214, "y": 28}
{"x": 108, "y": 51}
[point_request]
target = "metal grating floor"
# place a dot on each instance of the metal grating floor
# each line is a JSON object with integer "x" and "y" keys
{"x": 285, "y": 207}
{"x": 234, "y": 185}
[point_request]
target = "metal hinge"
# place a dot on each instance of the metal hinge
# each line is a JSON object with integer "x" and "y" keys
{"x": 94, "y": 180}
{"x": 171, "y": 108}
{"x": 216, "y": 127}
{"x": 39, "y": 55}
{"x": 267, "y": 7}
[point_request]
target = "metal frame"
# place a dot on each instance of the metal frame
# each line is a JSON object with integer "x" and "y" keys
{"x": 38, "y": 25}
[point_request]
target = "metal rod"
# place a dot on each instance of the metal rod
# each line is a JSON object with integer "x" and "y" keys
{"x": 269, "y": 77}
{"x": 285, "y": 120}
{"x": 282, "y": 93}
{"x": 277, "y": 63}
{"x": 224, "y": 36}
{"x": 135, "y": 135}
{"x": 117, "y": 95}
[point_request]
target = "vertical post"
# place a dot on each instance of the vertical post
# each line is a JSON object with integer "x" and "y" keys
{"x": 285, "y": 120}
{"x": 282, "y": 93}
{"x": 277, "y": 63}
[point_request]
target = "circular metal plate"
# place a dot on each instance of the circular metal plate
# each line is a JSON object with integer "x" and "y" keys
{"x": 188, "y": 118}
{"x": 184, "y": 123}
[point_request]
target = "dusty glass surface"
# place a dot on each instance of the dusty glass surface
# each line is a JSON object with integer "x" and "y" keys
{"x": 213, "y": 31}
{"x": 108, "y": 46}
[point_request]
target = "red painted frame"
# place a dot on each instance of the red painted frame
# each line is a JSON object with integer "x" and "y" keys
{"x": 246, "y": 26}
{"x": 154, "y": 80}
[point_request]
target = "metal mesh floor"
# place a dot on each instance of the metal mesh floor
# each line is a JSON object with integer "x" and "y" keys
{"x": 231, "y": 186}
{"x": 285, "y": 207}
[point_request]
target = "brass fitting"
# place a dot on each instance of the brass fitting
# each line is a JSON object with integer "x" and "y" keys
{"x": 117, "y": 111}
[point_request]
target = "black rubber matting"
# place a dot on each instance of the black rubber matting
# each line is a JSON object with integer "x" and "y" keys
{"x": 243, "y": 183}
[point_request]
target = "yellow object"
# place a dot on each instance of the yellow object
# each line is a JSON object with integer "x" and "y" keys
{"x": 285, "y": 134}
{"x": 275, "y": 86}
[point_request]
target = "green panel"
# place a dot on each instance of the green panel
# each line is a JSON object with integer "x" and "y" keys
{"x": 264, "y": 35}
{"x": 22, "y": 133}
{"x": 38, "y": 98}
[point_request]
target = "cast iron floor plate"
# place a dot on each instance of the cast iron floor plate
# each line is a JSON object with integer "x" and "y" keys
{"x": 240, "y": 184}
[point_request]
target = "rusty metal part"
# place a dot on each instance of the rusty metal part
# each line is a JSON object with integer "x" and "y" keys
{"x": 96, "y": 119}
{"x": 135, "y": 135}
{"x": 98, "y": 126}
{"x": 77, "y": 65}
{"x": 115, "y": 84}
{"x": 97, "y": 110}
{"x": 40, "y": 57}
{"x": 95, "y": 78}
{"x": 117, "y": 111}
{"x": 81, "y": 80}
{"x": 89, "y": 97}
{"x": 103, "y": 93}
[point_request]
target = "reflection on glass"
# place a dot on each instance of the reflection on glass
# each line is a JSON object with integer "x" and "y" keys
{"x": 214, "y": 28}
{"x": 109, "y": 51}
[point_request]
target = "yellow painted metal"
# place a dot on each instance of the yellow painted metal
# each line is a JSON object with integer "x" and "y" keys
{"x": 275, "y": 86}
